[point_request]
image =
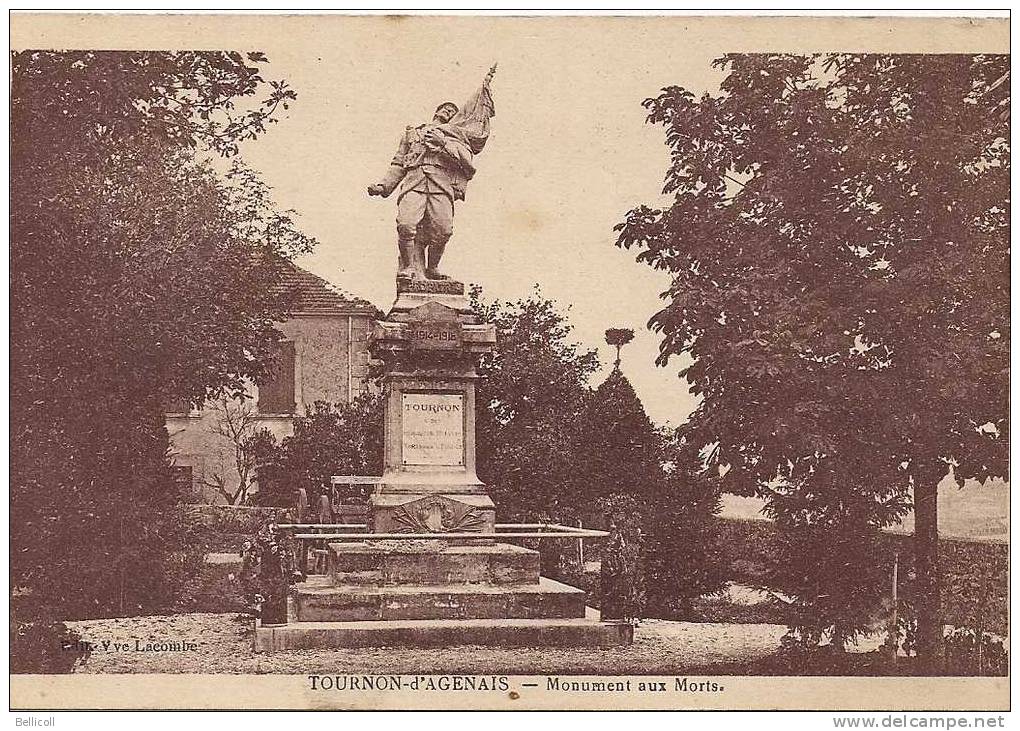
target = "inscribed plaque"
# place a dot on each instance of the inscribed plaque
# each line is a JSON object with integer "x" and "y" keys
{"x": 432, "y": 429}
{"x": 435, "y": 335}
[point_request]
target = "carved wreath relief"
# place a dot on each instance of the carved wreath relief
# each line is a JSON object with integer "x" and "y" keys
{"x": 436, "y": 515}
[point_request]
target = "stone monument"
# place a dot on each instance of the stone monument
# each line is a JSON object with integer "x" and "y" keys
{"x": 463, "y": 586}
{"x": 429, "y": 351}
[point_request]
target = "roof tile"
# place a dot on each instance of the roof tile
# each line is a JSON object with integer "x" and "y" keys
{"x": 314, "y": 294}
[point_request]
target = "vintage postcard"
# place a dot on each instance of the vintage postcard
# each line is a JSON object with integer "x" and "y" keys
{"x": 514, "y": 363}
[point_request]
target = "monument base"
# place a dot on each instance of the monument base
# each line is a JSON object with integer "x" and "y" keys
{"x": 399, "y": 563}
{"x": 412, "y": 293}
{"x": 415, "y": 593}
{"x": 580, "y": 632}
{"x": 317, "y": 600}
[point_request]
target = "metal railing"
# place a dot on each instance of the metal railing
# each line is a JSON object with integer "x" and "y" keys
{"x": 502, "y": 530}
{"x": 360, "y": 532}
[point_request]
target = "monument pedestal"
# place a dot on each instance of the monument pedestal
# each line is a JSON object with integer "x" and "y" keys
{"x": 437, "y": 594}
{"x": 447, "y": 292}
{"x": 430, "y": 347}
{"x": 426, "y": 592}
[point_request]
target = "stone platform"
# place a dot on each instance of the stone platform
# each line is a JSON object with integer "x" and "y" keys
{"x": 415, "y": 564}
{"x": 389, "y": 563}
{"x": 435, "y": 594}
{"x": 321, "y": 601}
{"x": 579, "y": 632}
{"x": 412, "y": 293}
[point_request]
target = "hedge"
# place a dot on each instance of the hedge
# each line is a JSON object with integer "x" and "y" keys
{"x": 975, "y": 576}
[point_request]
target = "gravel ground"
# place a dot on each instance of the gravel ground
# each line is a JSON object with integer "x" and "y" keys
{"x": 224, "y": 645}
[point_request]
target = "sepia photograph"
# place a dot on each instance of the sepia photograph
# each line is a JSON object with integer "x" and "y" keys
{"x": 509, "y": 363}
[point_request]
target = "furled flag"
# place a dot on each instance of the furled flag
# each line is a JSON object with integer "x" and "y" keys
{"x": 471, "y": 123}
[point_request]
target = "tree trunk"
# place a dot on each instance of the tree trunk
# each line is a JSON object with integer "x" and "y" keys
{"x": 839, "y": 638}
{"x": 926, "y": 563}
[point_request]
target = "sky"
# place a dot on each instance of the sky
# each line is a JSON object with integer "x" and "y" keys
{"x": 569, "y": 153}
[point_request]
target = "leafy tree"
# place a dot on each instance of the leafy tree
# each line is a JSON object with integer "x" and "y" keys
{"x": 532, "y": 394}
{"x": 334, "y": 439}
{"x": 618, "y": 337}
{"x": 830, "y": 557}
{"x": 630, "y": 462}
{"x": 137, "y": 276}
{"x": 623, "y": 452}
{"x": 838, "y": 240}
{"x": 682, "y": 561}
{"x": 85, "y": 104}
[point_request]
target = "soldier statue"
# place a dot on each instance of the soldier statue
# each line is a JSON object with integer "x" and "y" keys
{"x": 432, "y": 166}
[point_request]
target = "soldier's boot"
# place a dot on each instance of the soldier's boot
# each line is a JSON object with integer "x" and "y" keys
{"x": 436, "y": 249}
{"x": 411, "y": 265}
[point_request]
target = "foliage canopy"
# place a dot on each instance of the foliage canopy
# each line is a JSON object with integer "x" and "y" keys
{"x": 838, "y": 242}
{"x": 138, "y": 276}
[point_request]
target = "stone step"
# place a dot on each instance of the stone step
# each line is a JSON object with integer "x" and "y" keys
{"x": 318, "y": 601}
{"x": 580, "y": 632}
{"x": 386, "y": 563}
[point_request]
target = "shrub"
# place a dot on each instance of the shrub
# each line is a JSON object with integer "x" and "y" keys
{"x": 682, "y": 549}
{"x": 267, "y": 570}
{"x": 334, "y": 439}
{"x": 45, "y": 647}
{"x": 970, "y": 652}
{"x": 39, "y": 644}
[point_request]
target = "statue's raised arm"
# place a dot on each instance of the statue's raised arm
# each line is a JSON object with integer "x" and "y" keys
{"x": 432, "y": 166}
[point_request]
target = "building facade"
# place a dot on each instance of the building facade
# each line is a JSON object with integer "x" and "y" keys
{"x": 323, "y": 357}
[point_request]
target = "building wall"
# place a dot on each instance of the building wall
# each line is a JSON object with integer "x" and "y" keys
{"x": 329, "y": 366}
{"x": 331, "y": 362}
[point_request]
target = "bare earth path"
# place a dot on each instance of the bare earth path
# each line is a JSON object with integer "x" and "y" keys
{"x": 224, "y": 645}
